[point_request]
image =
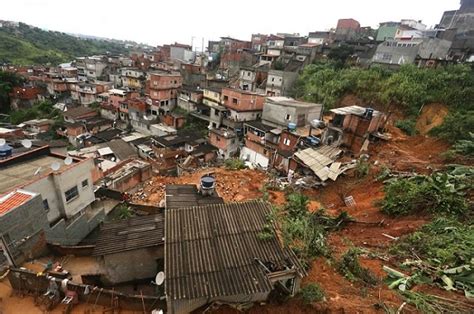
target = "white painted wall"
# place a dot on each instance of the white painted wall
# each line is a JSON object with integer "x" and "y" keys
{"x": 253, "y": 157}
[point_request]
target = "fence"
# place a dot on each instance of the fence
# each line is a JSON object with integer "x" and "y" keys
{"x": 28, "y": 282}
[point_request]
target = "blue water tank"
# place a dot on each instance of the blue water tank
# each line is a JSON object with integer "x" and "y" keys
{"x": 5, "y": 151}
{"x": 291, "y": 126}
{"x": 207, "y": 182}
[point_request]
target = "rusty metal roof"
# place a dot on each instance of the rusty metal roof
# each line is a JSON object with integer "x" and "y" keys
{"x": 130, "y": 234}
{"x": 211, "y": 251}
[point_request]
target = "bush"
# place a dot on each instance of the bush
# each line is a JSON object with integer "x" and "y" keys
{"x": 234, "y": 164}
{"x": 407, "y": 126}
{"x": 441, "y": 193}
{"x": 312, "y": 293}
{"x": 297, "y": 205}
{"x": 458, "y": 125}
{"x": 349, "y": 267}
{"x": 362, "y": 168}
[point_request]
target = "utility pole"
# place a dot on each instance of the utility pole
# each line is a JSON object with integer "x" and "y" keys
{"x": 6, "y": 251}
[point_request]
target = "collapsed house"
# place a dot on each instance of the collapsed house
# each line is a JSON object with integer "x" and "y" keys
{"x": 214, "y": 253}
{"x": 352, "y": 127}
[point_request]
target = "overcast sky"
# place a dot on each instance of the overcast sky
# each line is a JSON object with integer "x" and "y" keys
{"x": 160, "y": 22}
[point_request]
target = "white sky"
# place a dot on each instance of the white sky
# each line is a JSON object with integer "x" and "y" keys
{"x": 160, "y": 22}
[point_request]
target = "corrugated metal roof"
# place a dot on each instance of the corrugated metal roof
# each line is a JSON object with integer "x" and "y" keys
{"x": 131, "y": 234}
{"x": 187, "y": 195}
{"x": 210, "y": 251}
{"x": 355, "y": 110}
{"x": 319, "y": 159}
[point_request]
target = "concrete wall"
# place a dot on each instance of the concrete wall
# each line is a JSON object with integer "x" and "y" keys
{"x": 276, "y": 115}
{"x": 255, "y": 158}
{"x": 23, "y": 227}
{"x": 132, "y": 265}
{"x": 73, "y": 232}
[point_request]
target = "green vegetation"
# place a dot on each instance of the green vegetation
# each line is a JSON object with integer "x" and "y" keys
{"x": 312, "y": 293}
{"x": 7, "y": 82}
{"x": 458, "y": 126}
{"x": 303, "y": 231}
{"x": 351, "y": 269}
{"x": 362, "y": 168}
{"x": 40, "y": 110}
{"x": 441, "y": 193}
{"x": 408, "y": 126}
{"x": 124, "y": 212}
{"x": 408, "y": 88}
{"x": 234, "y": 164}
{"x": 426, "y": 303}
{"x": 28, "y": 45}
{"x": 445, "y": 242}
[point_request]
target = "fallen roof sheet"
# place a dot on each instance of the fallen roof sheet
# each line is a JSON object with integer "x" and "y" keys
{"x": 211, "y": 251}
{"x": 319, "y": 159}
{"x": 131, "y": 234}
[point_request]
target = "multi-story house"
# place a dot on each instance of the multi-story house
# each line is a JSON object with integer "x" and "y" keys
{"x": 212, "y": 109}
{"x": 133, "y": 78}
{"x": 242, "y": 106}
{"x": 91, "y": 68}
{"x": 162, "y": 89}
{"x": 280, "y": 112}
{"x": 65, "y": 187}
{"x": 319, "y": 38}
{"x": 88, "y": 93}
{"x": 225, "y": 141}
{"x": 347, "y": 29}
{"x": 189, "y": 98}
{"x": 253, "y": 78}
{"x": 280, "y": 83}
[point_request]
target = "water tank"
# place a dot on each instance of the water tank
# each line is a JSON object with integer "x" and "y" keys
{"x": 5, "y": 151}
{"x": 317, "y": 124}
{"x": 292, "y": 126}
{"x": 208, "y": 185}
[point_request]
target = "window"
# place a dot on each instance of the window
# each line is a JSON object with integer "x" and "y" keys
{"x": 288, "y": 117}
{"x": 85, "y": 183}
{"x": 218, "y": 138}
{"x": 71, "y": 194}
{"x": 287, "y": 142}
{"x": 226, "y": 98}
{"x": 265, "y": 151}
{"x": 45, "y": 205}
{"x": 234, "y": 101}
{"x": 273, "y": 79}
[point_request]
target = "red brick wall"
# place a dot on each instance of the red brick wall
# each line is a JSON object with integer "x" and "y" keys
{"x": 293, "y": 141}
{"x": 245, "y": 101}
{"x": 218, "y": 141}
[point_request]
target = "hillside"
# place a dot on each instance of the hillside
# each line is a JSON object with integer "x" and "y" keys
{"x": 26, "y": 45}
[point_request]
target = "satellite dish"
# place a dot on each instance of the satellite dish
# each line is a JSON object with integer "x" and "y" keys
{"x": 55, "y": 166}
{"x": 26, "y": 143}
{"x": 2, "y": 141}
{"x": 160, "y": 278}
{"x": 68, "y": 161}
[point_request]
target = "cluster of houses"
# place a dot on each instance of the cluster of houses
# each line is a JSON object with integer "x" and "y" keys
{"x": 126, "y": 118}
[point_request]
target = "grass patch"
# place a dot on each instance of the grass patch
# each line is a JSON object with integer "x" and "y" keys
{"x": 312, "y": 293}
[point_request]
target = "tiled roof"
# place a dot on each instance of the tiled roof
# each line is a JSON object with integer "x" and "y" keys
{"x": 13, "y": 200}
